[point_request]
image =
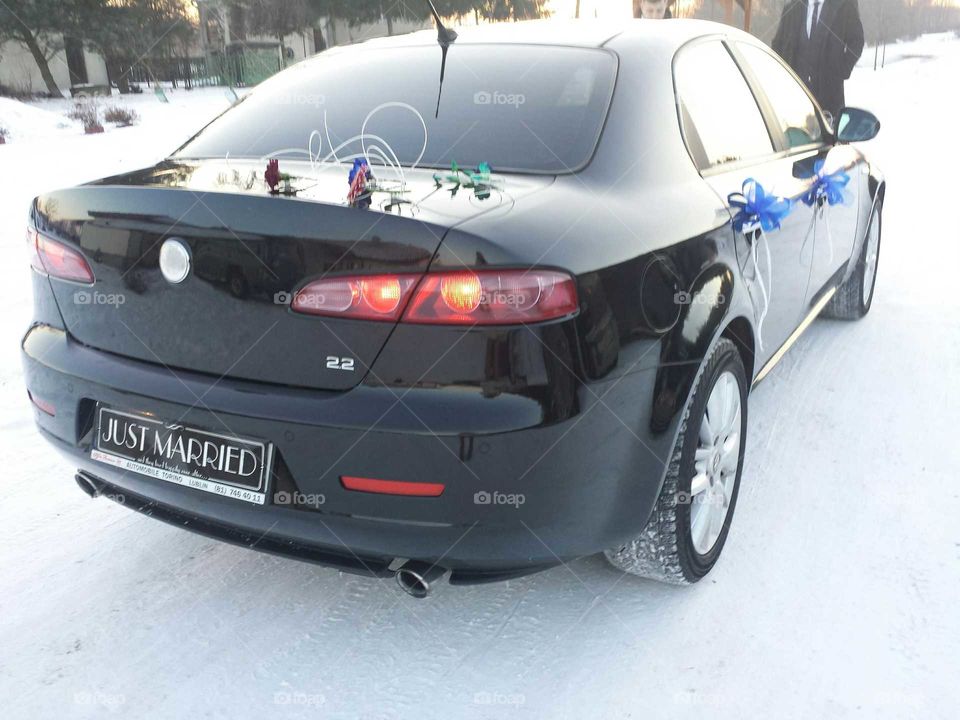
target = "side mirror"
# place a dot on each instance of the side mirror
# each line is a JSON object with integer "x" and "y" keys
{"x": 856, "y": 125}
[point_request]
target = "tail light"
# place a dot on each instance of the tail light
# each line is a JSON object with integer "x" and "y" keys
{"x": 486, "y": 297}
{"x": 493, "y": 297}
{"x": 56, "y": 259}
{"x": 370, "y": 297}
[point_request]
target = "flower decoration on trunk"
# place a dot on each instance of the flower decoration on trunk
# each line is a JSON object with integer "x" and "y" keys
{"x": 272, "y": 175}
{"x": 481, "y": 180}
{"x": 360, "y": 175}
{"x": 831, "y": 186}
{"x": 755, "y": 207}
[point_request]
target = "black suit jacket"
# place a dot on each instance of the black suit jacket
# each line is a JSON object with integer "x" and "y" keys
{"x": 838, "y": 44}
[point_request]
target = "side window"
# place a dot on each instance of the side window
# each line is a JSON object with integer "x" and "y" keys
{"x": 794, "y": 110}
{"x": 721, "y": 120}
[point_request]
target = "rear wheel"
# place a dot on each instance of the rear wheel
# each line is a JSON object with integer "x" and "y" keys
{"x": 855, "y": 296}
{"x": 688, "y": 527}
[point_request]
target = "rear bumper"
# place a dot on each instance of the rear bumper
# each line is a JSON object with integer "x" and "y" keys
{"x": 513, "y": 501}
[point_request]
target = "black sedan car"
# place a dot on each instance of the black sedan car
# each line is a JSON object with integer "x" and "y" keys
{"x": 479, "y": 328}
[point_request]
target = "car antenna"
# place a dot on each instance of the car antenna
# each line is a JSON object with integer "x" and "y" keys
{"x": 445, "y": 37}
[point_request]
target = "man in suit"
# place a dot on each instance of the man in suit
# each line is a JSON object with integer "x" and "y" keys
{"x": 822, "y": 41}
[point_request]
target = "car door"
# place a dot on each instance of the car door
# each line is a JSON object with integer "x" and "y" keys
{"x": 732, "y": 142}
{"x": 807, "y": 144}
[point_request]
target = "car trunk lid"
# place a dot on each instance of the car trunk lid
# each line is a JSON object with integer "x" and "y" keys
{"x": 230, "y": 317}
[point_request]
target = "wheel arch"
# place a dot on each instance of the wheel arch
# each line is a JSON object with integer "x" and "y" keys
{"x": 740, "y": 332}
{"x": 682, "y": 377}
{"x": 877, "y": 191}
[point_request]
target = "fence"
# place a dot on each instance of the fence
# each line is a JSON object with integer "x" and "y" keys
{"x": 186, "y": 72}
{"x": 241, "y": 65}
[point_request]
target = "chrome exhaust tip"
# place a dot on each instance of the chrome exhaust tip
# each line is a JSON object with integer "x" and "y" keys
{"x": 417, "y": 578}
{"x": 87, "y": 485}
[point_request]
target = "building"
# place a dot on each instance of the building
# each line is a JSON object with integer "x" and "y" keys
{"x": 221, "y": 54}
{"x": 72, "y": 66}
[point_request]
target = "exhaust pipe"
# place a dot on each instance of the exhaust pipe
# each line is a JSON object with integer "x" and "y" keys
{"x": 417, "y": 578}
{"x": 87, "y": 485}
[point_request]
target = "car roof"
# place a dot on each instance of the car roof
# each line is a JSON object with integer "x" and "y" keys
{"x": 576, "y": 33}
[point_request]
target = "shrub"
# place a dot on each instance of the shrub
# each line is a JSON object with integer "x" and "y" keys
{"x": 89, "y": 114}
{"x": 121, "y": 116}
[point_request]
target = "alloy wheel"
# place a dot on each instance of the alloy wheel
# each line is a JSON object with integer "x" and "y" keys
{"x": 716, "y": 462}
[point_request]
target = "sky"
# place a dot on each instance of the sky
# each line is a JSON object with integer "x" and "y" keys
{"x": 604, "y": 9}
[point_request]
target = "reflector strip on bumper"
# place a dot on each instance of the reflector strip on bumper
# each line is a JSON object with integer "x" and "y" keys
{"x": 392, "y": 487}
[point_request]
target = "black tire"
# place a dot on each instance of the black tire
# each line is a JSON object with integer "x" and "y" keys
{"x": 847, "y": 302}
{"x": 664, "y": 550}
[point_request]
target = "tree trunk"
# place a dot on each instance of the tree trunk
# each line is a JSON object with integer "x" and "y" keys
{"x": 116, "y": 74}
{"x": 31, "y": 42}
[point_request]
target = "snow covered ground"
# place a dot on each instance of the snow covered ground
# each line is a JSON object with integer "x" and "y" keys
{"x": 836, "y": 596}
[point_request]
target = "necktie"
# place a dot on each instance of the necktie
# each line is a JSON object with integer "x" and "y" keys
{"x": 816, "y": 16}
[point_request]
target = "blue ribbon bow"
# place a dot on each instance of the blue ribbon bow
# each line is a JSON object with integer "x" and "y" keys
{"x": 832, "y": 186}
{"x": 755, "y": 206}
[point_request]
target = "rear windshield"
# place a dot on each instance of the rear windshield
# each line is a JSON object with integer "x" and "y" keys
{"x": 521, "y": 108}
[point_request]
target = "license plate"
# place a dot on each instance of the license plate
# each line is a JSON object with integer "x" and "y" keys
{"x": 220, "y": 464}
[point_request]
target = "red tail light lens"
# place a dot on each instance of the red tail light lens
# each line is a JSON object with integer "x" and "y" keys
{"x": 370, "y": 297}
{"x": 58, "y": 260}
{"x": 42, "y": 405}
{"x": 382, "y": 294}
{"x": 461, "y": 293}
{"x": 392, "y": 487}
{"x": 486, "y": 297}
{"x": 493, "y": 297}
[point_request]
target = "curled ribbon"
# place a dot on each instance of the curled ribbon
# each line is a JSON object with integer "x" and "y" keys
{"x": 761, "y": 212}
{"x": 831, "y": 187}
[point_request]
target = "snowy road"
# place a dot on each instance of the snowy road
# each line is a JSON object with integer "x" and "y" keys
{"x": 836, "y": 596}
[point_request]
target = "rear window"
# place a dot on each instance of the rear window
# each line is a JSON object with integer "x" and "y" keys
{"x": 531, "y": 109}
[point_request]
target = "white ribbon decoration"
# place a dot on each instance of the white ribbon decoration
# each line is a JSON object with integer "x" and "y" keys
{"x": 764, "y": 292}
